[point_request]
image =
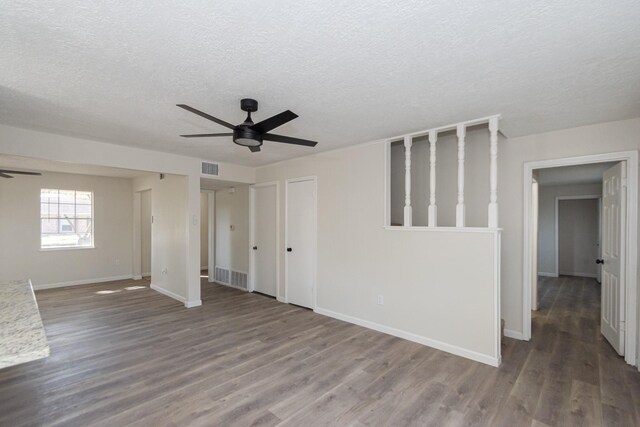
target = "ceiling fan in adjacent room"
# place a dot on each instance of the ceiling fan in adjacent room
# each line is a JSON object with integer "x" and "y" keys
{"x": 4, "y": 173}
{"x": 249, "y": 134}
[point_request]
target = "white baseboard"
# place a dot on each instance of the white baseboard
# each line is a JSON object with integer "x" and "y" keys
{"x": 513, "y": 334}
{"x": 439, "y": 345}
{"x": 544, "y": 274}
{"x": 281, "y": 299}
{"x": 146, "y": 274}
{"x": 168, "y": 293}
{"x": 578, "y": 274}
{"x": 191, "y": 304}
{"x": 82, "y": 282}
{"x": 137, "y": 277}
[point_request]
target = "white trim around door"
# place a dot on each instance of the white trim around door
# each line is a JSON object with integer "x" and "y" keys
{"x": 315, "y": 236}
{"x": 252, "y": 231}
{"x": 631, "y": 249}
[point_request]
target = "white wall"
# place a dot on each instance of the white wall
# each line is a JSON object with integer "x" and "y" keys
{"x": 232, "y": 246}
{"x": 436, "y": 285}
{"x": 204, "y": 230}
{"x": 578, "y": 237}
{"x": 145, "y": 231}
{"x": 547, "y": 257}
{"x": 20, "y": 254}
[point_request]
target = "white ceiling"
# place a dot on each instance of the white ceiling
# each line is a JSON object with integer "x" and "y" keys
{"x": 579, "y": 174}
{"x": 354, "y": 71}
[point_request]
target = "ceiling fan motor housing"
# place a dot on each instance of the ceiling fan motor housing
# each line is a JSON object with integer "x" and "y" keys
{"x": 247, "y": 137}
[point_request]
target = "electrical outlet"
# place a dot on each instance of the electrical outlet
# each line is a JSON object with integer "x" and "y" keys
{"x": 380, "y": 300}
{"x": 164, "y": 270}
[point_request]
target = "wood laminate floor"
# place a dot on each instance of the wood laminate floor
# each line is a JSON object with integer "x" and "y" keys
{"x": 123, "y": 354}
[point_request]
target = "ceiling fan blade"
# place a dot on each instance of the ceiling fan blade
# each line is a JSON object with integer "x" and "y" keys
{"x": 206, "y": 116}
{"x": 202, "y": 135}
{"x": 254, "y": 149}
{"x": 20, "y": 172}
{"x": 273, "y": 122}
{"x": 4, "y": 175}
{"x": 289, "y": 140}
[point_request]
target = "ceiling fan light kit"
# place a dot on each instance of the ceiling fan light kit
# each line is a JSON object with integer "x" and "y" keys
{"x": 250, "y": 134}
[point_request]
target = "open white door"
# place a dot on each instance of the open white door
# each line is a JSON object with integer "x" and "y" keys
{"x": 613, "y": 247}
{"x": 301, "y": 242}
{"x": 264, "y": 234}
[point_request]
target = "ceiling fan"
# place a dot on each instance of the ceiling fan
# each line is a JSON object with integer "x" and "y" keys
{"x": 5, "y": 173}
{"x": 249, "y": 134}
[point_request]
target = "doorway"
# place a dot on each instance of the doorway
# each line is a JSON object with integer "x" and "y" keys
{"x": 625, "y": 233}
{"x": 300, "y": 238}
{"x": 264, "y": 232}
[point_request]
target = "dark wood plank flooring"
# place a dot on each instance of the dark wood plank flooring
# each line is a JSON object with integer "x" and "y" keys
{"x": 123, "y": 354}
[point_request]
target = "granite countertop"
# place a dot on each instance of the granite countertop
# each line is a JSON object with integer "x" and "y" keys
{"x": 22, "y": 335}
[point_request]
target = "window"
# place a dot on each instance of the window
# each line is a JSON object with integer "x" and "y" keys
{"x": 66, "y": 219}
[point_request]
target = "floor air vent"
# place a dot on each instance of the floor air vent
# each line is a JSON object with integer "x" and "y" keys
{"x": 221, "y": 275}
{"x": 209, "y": 168}
{"x": 238, "y": 279}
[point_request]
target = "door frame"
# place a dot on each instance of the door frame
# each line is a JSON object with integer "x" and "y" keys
{"x": 631, "y": 249}
{"x": 211, "y": 232}
{"x": 557, "y": 228}
{"x": 314, "y": 245}
{"x": 252, "y": 235}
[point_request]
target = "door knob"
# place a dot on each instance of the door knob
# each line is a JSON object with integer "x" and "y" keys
{"x": 289, "y": 249}
{"x": 599, "y": 261}
{"x": 255, "y": 248}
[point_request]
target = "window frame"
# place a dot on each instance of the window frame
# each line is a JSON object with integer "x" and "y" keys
{"x": 75, "y": 204}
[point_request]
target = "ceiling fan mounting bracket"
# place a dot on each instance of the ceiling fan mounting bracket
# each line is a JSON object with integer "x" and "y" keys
{"x": 249, "y": 105}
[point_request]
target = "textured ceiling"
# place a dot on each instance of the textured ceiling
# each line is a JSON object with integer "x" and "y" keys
{"x": 354, "y": 71}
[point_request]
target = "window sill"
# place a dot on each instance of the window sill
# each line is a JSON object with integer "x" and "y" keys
{"x": 65, "y": 248}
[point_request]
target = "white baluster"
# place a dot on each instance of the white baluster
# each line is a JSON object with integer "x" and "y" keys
{"x": 493, "y": 173}
{"x": 461, "y": 133}
{"x": 433, "y": 210}
{"x": 408, "y": 214}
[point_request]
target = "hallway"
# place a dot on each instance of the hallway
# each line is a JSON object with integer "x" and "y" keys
{"x": 580, "y": 373}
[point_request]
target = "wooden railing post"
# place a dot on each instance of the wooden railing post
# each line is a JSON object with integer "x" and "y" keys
{"x": 493, "y": 173}
{"x": 408, "y": 214}
{"x": 433, "y": 210}
{"x": 460, "y": 214}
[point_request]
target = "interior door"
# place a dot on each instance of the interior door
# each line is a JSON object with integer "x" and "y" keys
{"x": 301, "y": 242}
{"x": 613, "y": 239}
{"x": 264, "y": 246}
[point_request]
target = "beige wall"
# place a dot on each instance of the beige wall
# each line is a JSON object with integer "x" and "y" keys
{"x": 232, "y": 246}
{"x": 20, "y": 254}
